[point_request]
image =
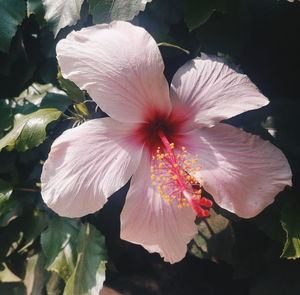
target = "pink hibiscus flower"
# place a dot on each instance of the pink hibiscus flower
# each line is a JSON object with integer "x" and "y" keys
{"x": 168, "y": 141}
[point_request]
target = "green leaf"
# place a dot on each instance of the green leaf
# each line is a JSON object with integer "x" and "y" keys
{"x": 72, "y": 90}
{"x": 196, "y": 12}
{"x": 290, "y": 222}
{"x": 12, "y": 13}
{"x": 9, "y": 210}
{"x": 15, "y": 240}
{"x": 36, "y": 275}
{"x": 36, "y": 7}
{"x": 10, "y": 237}
{"x": 41, "y": 96}
{"x": 62, "y": 13}
{"x": 6, "y": 115}
{"x": 55, "y": 284}
{"x": 5, "y": 191}
{"x": 108, "y": 10}
{"x": 167, "y": 11}
{"x": 59, "y": 245}
{"x": 89, "y": 273}
{"x": 34, "y": 227}
{"x": 29, "y": 130}
{"x": 14, "y": 288}
{"x": 6, "y": 275}
{"x": 34, "y": 93}
{"x": 8, "y": 206}
{"x": 54, "y": 100}
{"x": 215, "y": 238}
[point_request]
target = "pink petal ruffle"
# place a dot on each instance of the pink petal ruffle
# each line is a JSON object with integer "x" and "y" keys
{"x": 241, "y": 171}
{"x": 209, "y": 91}
{"x": 149, "y": 220}
{"x": 120, "y": 66}
{"x": 87, "y": 164}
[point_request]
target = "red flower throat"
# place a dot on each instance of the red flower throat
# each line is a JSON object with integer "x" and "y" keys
{"x": 172, "y": 169}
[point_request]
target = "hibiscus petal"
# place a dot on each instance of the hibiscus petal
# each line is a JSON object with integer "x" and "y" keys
{"x": 87, "y": 164}
{"x": 210, "y": 91}
{"x": 120, "y": 66}
{"x": 149, "y": 220}
{"x": 241, "y": 171}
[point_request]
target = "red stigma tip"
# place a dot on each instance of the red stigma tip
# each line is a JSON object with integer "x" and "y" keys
{"x": 205, "y": 202}
{"x": 198, "y": 204}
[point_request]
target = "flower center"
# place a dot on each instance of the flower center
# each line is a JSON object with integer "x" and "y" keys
{"x": 147, "y": 133}
{"x": 171, "y": 175}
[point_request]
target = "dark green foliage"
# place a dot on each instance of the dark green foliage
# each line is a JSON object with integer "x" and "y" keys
{"x": 104, "y": 11}
{"x": 12, "y": 15}
{"x": 44, "y": 254}
{"x": 29, "y": 130}
{"x": 291, "y": 224}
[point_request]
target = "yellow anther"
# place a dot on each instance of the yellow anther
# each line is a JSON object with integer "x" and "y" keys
{"x": 171, "y": 172}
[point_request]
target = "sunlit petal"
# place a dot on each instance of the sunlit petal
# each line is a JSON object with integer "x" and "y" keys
{"x": 87, "y": 164}
{"x": 120, "y": 66}
{"x": 149, "y": 220}
{"x": 208, "y": 91}
{"x": 241, "y": 171}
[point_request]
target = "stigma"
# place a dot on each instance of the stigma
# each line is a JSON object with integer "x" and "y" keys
{"x": 172, "y": 175}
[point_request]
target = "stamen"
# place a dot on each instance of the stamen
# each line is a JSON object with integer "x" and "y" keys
{"x": 173, "y": 177}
